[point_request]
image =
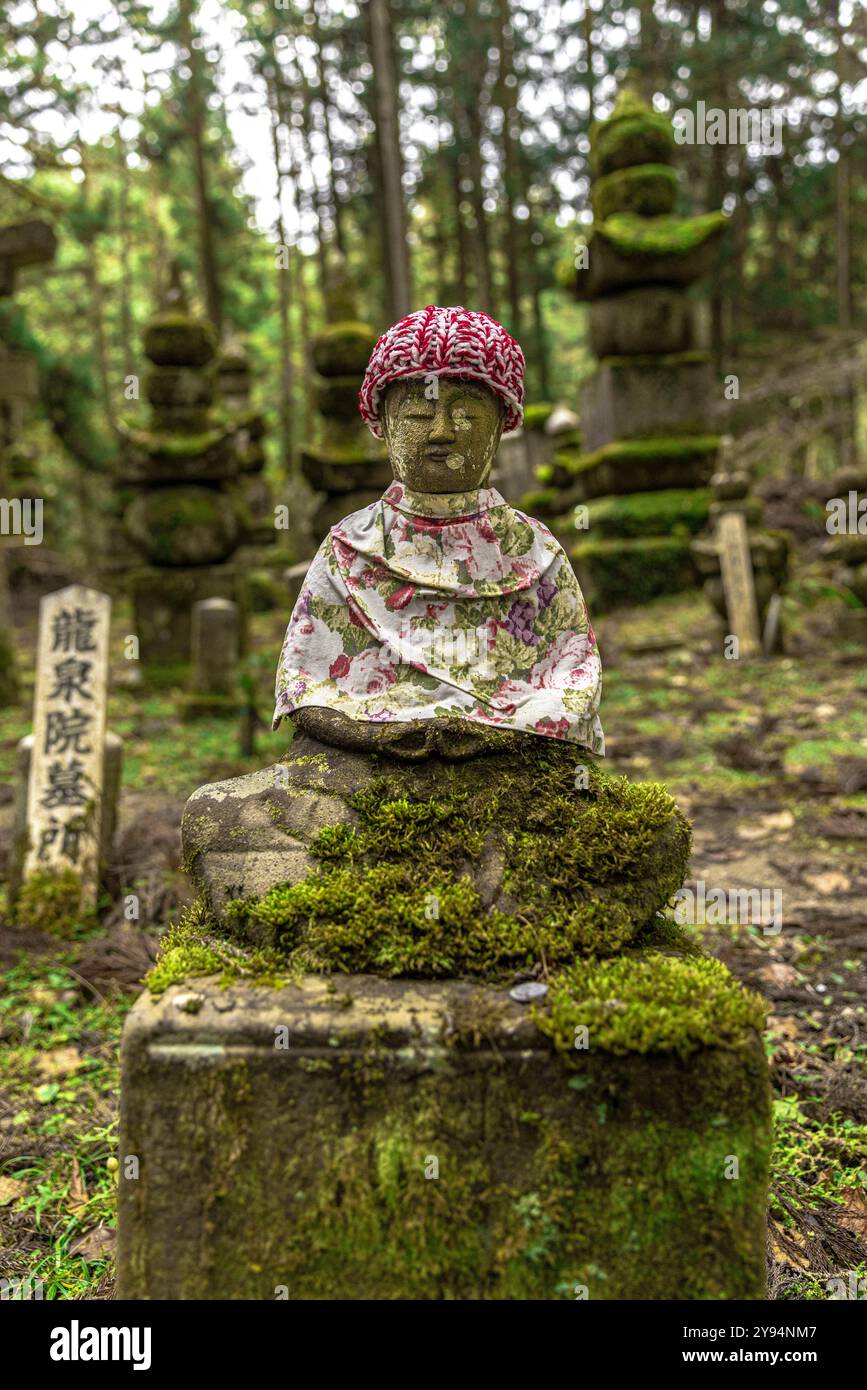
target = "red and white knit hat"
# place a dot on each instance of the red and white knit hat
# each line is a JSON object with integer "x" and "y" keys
{"x": 445, "y": 342}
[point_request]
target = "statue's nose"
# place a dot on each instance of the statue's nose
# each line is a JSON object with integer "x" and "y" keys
{"x": 442, "y": 431}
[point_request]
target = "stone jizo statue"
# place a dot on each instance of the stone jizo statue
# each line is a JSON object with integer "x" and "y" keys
{"x": 440, "y": 611}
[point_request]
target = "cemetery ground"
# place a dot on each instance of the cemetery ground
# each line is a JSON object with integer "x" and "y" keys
{"x": 769, "y": 760}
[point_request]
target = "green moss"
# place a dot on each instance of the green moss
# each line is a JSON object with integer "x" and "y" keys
{"x": 641, "y": 451}
{"x": 343, "y": 348}
{"x": 537, "y": 415}
{"x": 633, "y": 235}
{"x": 633, "y": 134}
{"x": 192, "y": 947}
{"x": 543, "y": 502}
{"x": 646, "y": 189}
{"x": 398, "y": 892}
{"x": 618, "y": 572}
{"x": 655, "y": 1003}
{"x": 672, "y": 511}
{"x": 51, "y": 902}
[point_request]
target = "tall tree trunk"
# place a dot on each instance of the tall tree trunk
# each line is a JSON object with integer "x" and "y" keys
{"x": 284, "y": 292}
{"x": 336, "y": 204}
{"x": 461, "y": 247}
{"x": 123, "y": 231}
{"x": 317, "y": 199}
{"x": 299, "y": 283}
{"x": 481, "y": 241}
{"x": 196, "y": 128}
{"x": 388, "y": 130}
{"x": 507, "y": 97}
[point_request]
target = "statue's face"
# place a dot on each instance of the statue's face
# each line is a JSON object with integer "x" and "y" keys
{"x": 443, "y": 444}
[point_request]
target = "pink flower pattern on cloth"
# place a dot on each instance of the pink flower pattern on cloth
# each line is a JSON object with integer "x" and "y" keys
{"x": 425, "y": 606}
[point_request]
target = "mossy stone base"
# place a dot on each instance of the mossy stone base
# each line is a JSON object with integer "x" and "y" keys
{"x": 617, "y": 572}
{"x": 520, "y": 853}
{"x": 633, "y": 398}
{"x": 424, "y": 1140}
{"x": 673, "y": 511}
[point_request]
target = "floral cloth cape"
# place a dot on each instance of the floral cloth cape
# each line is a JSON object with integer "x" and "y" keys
{"x": 425, "y": 605}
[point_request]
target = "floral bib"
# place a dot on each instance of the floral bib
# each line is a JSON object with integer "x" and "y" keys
{"x": 427, "y": 605}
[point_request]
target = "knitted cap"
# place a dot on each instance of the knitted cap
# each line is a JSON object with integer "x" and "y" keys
{"x": 445, "y": 342}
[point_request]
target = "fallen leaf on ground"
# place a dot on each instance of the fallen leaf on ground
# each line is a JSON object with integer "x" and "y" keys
{"x": 95, "y": 1244}
{"x": 833, "y": 881}
{"x": 779, "y": 975}
{"x": 62, "y": 1061}
{"x": 766, "y": 825}
{"x": 11, "y": 1189}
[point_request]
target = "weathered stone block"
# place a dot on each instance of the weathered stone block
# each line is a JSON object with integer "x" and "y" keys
{"x": 616, "y": 572}
{"x": 343, "y": 349}
{"x": 640, "y": 465}
{"x": 337, "y": 396}
{"x": 645, "y": 320}
{"x": 162, "y": 602}
{"x": 333, "y": 471}
{"x": 370, "y": 1139}
{"x": 628, "y": 399}
{"x": 629, "y": 250}
{"x": 185, "y": 525}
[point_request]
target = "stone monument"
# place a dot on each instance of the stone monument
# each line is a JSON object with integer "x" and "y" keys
{"x": 426, "y": 1033}
{"x": 743, "y": 566}
{"x": 185, "y": 513}
{"x": 70, "y": 790}
{"x": 647, "y": 450}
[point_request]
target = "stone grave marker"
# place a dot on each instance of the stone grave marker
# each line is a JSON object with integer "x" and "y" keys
{"x": 214, "y": 652}
{"x": 65, "y": 786}
{"x": 738, "y": 583}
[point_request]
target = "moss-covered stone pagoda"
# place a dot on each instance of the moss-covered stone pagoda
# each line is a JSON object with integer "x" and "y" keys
{"x": 345, "y": 464}
{"x": 185, "y": 516}
{"x": 647, "y": 450}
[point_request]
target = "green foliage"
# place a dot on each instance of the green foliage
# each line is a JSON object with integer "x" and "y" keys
{"x": 650, "y": 1003}
{"x": 51, "y": 902}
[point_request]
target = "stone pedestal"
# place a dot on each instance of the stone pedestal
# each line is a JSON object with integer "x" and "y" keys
{"x": 356, "y": 1138}
{"x": 215, "y": 649}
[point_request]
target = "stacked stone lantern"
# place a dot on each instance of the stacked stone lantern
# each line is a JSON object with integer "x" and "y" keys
{"x": 647, "y": 450}
{"x": 345, "y": 464}
{"x": 185, "y": 516}
{"x": 234, "y": 385}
